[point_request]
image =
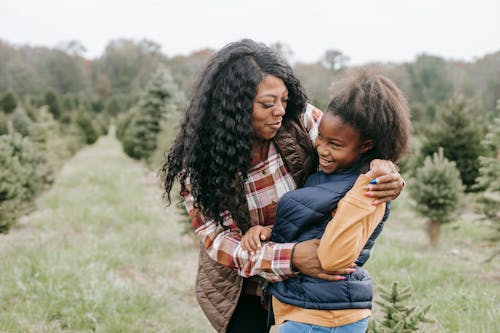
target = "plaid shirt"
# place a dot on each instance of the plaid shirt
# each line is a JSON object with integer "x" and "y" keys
{"x": 267, "y": 181}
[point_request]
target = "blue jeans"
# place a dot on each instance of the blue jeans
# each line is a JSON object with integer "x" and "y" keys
{"x": 294, "y": 327}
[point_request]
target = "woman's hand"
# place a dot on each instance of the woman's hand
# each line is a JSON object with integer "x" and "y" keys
{"x": 388, "y": 183}
{"x": 252, "y": 238}
{"x": 305, "y": 259}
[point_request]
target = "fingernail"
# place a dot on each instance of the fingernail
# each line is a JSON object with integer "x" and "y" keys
{"x": 374, "y": 203}
{"x": 374, "y": 181}
{"x": 341, "y": 278}
{"x": 368, "y": 194}
{"x": 351, "y": 270}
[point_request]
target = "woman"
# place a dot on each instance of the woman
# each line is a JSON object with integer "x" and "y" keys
{"x": 245, "y": 141}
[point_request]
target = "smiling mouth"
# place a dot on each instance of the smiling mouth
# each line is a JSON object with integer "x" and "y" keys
{"x": 275, "y": 125}
{"x": 325, "y": 162}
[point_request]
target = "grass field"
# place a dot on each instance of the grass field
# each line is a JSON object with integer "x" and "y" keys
{"x": 103, "y": 254}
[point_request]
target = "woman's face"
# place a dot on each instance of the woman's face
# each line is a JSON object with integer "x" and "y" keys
{"x": 269, "y": 107}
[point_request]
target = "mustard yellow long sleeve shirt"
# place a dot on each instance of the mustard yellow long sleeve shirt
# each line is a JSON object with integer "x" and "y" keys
{"x": 354, "y": 221}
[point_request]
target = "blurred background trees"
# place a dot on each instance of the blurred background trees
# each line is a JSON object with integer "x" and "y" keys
{"x": 59, "y": 101}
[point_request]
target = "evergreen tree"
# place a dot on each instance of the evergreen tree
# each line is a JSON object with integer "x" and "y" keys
{"x": 10, "y": 184}
{"x": 488, "y": 201}
{"x": 458, "y": 132}
{"x": 21, "y": 122}
{"x": 52, "y": 102}
{"x": 430, "y": 84}
{"x": 85, "y": 123}
{"x": 157, "y": 102}
{"x": 8, "y": 103}
{"x": 4, "y": 124}
{"x": 23, "y": 176}
{"x": 56, "y": 141}
{"x": 437, "y": 191}
{"x": 398, "y": 317}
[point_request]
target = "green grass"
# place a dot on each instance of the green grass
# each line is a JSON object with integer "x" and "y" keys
{"x": 463, "y": 290}
{"x": 103, "y": 254}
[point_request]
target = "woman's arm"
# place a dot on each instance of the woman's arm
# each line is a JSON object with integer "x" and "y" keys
{"x": 272, "y": 261}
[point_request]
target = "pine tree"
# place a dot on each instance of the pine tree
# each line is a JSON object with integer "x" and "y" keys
{"x": 458, "y": 132}
{"x": 4, "y": 124}
{"x": 8, "y": 103}
{"x": 86, "y": 124}
{"x": 488, "y": 201}
{"x": 398, "y": 317}
{"x": 52, "y": 102}
{"x": 437, "y": 191}
{"x": 21, "y": 122}
{"x": 23, "y": 176}
{"x": 10, "y": 184}
{"x": 158, "y": 100}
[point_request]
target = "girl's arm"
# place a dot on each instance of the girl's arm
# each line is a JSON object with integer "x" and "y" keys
{"x": 355, "y": 220}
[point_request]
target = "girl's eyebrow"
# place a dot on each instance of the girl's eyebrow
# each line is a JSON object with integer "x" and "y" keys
{"x": 335, "y": 140}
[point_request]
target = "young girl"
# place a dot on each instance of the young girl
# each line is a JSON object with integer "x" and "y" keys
{"x": 367, "y": 119}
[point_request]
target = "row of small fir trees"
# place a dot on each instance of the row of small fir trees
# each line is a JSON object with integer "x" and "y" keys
{"x": 37, "y": 135}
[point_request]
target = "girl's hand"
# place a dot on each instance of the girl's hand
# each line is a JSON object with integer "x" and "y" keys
{"x": 387, "y": 183}
{"x": 252, "y": 238}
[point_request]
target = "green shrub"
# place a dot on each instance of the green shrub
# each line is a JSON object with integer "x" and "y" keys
{"x": 4, "y": 124}
{"x": 8, "y": 103}
{"x": 158, "y": 102}
{"x": 437, "y": 191}
{"x": 460, "y": 133}
{"x": 21, "y": 122}
{"x": 23, "y": 177}
{"x": 56, "y": 141}
{"x": 488, "y": 201}
{"x": 87, "y": 126}
{"x": 52, "y": 102}
{"x": 398, "y": 317}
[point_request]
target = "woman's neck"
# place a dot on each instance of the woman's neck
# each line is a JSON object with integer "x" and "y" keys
{"x": 260, "y": 149}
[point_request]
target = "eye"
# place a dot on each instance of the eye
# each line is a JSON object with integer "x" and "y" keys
{"x": 267, "y": 105}
{"x": 334, "y": 145}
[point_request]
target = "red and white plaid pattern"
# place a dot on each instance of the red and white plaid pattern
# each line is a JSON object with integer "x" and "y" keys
{"x": 266, "y": 183}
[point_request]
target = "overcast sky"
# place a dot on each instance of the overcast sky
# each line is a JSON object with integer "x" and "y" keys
{"x": 376, "y": 30}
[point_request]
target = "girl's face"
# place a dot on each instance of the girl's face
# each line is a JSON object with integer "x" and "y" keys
{"x": 338, "y": 144}
{"x": 269, "y": 107}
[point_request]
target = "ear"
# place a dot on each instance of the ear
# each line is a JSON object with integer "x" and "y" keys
{"x": 367, "y": 145}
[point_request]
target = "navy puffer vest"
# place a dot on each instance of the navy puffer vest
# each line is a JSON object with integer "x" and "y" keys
{"x": 303, "y": 214}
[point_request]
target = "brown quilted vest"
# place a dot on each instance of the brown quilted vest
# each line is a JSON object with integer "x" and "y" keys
{"x": 218, "y": 288}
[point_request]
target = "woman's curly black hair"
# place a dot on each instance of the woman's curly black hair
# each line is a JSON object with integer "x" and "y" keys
{"x": 214, "y": 145}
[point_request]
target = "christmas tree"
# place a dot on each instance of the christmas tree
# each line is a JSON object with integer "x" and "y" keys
{"x": 437, "y": 191}
{"x": 398, "y": 317}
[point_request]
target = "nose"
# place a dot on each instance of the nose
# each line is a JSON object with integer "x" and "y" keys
{"x": 279, "y": 110}
{"x": 319, "y": 147}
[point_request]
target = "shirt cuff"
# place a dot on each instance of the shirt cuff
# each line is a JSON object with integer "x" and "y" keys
{"x": 283, "y": 260}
